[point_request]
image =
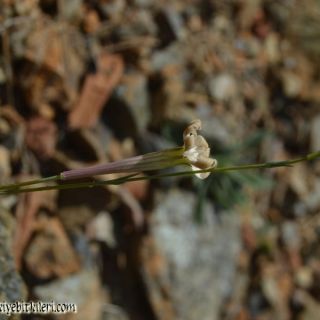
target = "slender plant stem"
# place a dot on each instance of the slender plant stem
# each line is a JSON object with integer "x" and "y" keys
{"x": 74, "y": 185}
{"x": 29, "y": 183}
{"x": 23, "y": 187}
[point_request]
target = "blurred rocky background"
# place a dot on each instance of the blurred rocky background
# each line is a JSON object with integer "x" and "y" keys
{"x": 88, "y": 81}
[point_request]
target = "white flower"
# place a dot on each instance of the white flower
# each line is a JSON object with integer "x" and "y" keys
{"x": 196, "y": 150}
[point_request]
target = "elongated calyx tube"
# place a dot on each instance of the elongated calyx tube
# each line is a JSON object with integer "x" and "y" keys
{"x": 195, "y": 153}
{"x": 150, "y": 161}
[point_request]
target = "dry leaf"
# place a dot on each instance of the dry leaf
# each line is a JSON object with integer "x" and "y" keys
{"x": 96, "y": 91}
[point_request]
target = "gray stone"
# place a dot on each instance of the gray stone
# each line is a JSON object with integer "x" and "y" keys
{"x": 83, "y": 289}
{"x": 223, "y": 87}
{"x": 311, "y": 202}
{"x": 172, "y": 55}
{"x": 201, "y": 258}
{"x": 290, "y": 235}
{"x": 134, "y": 92}
{"x": 11, "y": 285}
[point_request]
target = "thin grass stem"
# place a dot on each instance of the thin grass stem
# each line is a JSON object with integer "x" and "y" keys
{"x": 18, "y": 185}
